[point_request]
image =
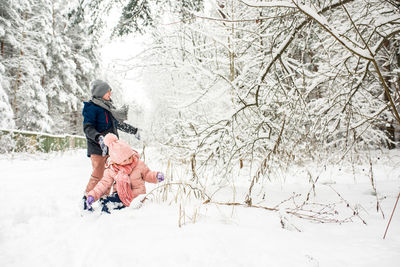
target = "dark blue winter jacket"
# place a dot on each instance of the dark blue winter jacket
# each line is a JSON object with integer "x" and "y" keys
{"x": 99, "y": 121}
{"x": 97, "y": 116}
{"x": 96, "y": 121}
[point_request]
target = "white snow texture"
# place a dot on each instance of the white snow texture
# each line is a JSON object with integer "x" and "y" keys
{"x": 41, "y": 223}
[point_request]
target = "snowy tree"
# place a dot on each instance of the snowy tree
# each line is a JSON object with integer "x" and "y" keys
{"x": 135, "y": 15}
{"x": 72, "y": 64}
{"x": 48, "y": 65}
{"x": 5, "y": 107}
{"x": 252, "y": 82}
{"x": 23, "y": 46}
{"x": 7, "y": 121}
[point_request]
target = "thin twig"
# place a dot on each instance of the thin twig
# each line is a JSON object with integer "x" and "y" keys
{"x": 387, "y": 227}
{"x": 348, "y": 205}
{"x": 203, "y": 194}
{"x": 315, "y": 216}
{"x": 378, "y": 204}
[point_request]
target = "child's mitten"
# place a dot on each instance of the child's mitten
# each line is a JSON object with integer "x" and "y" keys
{"x": 89, "y": 201}
{"x": 160, "y": 177}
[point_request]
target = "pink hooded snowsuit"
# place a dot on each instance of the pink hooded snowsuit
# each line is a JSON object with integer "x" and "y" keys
{"x": 129, "y": 178}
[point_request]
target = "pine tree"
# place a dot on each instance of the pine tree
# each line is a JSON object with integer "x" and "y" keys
{"x": 72, "y": 65}
{"x": 23, "y": 47}
{"x": 47, "y": 65}
{"x": 136, "y": 15}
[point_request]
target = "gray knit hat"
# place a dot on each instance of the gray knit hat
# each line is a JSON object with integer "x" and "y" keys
{"x": 99, "y": 88}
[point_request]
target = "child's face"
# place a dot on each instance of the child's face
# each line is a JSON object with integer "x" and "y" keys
{"x": 127, "y": 161}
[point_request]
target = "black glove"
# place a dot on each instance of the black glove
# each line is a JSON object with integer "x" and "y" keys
{"x": 103, "y": 146}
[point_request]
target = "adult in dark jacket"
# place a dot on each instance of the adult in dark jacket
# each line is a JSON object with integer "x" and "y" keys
{"x": 100, "y": 117}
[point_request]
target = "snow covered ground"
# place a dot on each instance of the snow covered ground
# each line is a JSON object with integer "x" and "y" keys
{"x": 41, "y": 224}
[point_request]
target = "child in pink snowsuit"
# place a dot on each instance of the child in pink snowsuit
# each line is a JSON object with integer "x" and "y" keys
{"x": 127, "y": 171}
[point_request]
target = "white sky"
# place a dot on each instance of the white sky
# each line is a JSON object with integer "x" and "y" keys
{"x": 116, "y": 52}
